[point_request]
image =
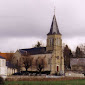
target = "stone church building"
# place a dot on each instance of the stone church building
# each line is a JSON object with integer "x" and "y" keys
{"x": 52, "y": 53}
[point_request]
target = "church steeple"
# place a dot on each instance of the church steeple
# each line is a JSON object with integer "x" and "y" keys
{"x": 54, "y": 36}
{"x": 54, "y": 27}
{"x": 54, "y": 45}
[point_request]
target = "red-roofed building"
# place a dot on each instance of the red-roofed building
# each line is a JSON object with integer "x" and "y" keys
{"x": 7, "y": 56}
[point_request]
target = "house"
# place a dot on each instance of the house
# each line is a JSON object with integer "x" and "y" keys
{"x": 52, "y": 53}
{"x": 8, "y": 68}
{"x": 77, "y": 64}
{"x": 7, "y": 56}
{"x": 3, "y": 67}
{"x": 11, "y": 69}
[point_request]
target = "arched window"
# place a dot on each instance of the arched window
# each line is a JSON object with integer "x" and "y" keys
{"x": 51, "y": 41}
{"x": 56, "y": 41}
{"x": 57, "y": 57}
{"x": 49, "y": 60}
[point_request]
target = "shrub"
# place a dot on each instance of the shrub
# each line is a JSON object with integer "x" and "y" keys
{"x": 1, "y": 81}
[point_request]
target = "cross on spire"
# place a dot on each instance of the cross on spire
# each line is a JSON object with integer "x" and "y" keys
{"x": 54, "y": 10}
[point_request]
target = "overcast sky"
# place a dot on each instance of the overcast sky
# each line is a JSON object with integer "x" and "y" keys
{"x": 24, "y": 22}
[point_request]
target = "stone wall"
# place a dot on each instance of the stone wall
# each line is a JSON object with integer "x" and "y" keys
{"x": 78, "y": 68}
{"x": 71, "y": 74}
{"x": 47, "y": 57}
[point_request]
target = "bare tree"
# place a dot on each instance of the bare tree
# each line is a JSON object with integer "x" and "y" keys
{"x": 18, "y": 65}
{"x": 27, "y": 61}
{"x": 82, "y": 48}
{"x": 79, "y": 52}
{"x": 9, "y": 56}
{"x": 40, "y": 64}
{"x": 16, "y": 60}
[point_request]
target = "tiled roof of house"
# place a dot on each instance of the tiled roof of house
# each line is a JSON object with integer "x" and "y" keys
{"x": 2, "y": 57}
{"x": 77, "y": 61}
{"x": 54, "y": 27}
{"x": 5, "y": 55}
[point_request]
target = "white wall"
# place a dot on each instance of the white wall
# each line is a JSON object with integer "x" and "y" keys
{"x": 3, "y": 67}
{"x": 11, "y": 71}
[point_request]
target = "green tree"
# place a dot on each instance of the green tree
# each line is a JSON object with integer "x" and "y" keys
{"x": 67, "y": 55}
{"x": 79, "y": 52}
{"x": 39, "y": 44}
{"x": 2, "y": 82}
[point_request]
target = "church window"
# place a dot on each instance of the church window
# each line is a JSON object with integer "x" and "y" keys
{"x": 57, "y": 57}
{"x": 56, "y": 41}
{"x": 49, "y": 61}
{"x": 17, "y": 62}
{"x": 61, "y": 57}
{"x": 51, "y": 41}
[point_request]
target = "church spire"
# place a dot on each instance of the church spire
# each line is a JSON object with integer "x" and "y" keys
{"x": 54, "y": 27}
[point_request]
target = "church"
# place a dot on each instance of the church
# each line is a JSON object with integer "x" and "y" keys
{"x": 52, "y": 53}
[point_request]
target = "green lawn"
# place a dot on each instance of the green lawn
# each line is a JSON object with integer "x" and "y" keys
{"x": 69, "y": 82}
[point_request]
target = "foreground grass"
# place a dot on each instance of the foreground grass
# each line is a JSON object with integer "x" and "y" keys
{"x": 66, "y": 82}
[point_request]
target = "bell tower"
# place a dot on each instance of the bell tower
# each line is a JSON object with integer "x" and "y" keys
{"x": 54, "y": 45}
{"x": 53, "y": 35}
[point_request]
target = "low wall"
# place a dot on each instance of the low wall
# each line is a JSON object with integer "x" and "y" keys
{"x": 78, "y": 68}
{"x": 70, "y": 74}
{"x": 16, "y": 77}
{"x": 41, "y": 78}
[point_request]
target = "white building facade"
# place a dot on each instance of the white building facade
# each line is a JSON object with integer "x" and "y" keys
{"x": 3, "y": 67}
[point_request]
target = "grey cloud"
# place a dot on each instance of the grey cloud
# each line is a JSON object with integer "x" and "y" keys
{"x": 32, "y": 18}
{"x": 24, "y": 21}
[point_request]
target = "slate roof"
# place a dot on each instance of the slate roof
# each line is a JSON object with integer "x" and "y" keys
{"x": 2, "y": 57}
{"x": 34, "y": 51}
{"x": 54, "y": 27}
{"x": 77, "y": 61}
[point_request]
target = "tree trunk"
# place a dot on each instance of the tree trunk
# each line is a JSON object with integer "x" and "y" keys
{"x": 26, "y": 69}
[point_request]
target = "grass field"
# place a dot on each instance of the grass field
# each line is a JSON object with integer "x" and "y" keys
{"x": 66, "y": 82}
